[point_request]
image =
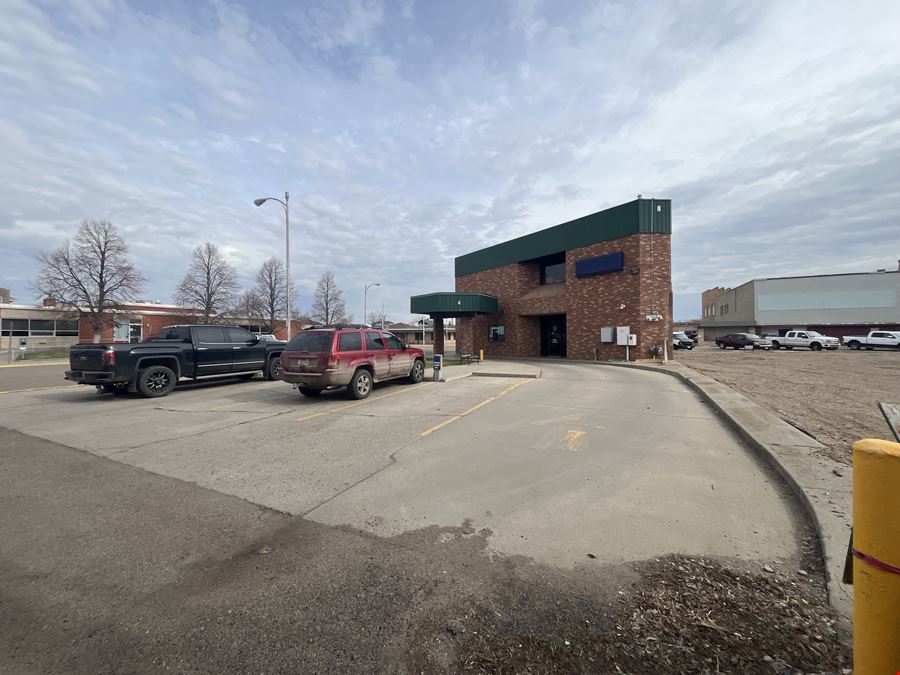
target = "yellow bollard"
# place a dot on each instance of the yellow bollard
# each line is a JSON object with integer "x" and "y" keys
{"x": 876, "y": 552}
{"x": 480, "y": 355}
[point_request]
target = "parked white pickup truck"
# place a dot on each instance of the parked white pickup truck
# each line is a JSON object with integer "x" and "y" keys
{"x": 809, "y": 339}
{"x": 877, "y": 339}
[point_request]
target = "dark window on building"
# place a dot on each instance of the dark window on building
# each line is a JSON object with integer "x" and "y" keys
{"x": 42, "y": 327}
{"x": 15, "y": 327}
{"x": 350, "y": 342}
{"x": 553, "y": 269}
{"x": 67, "y": 328}
{"x": 373, "y": 342}
{"x": 497, "y": 333}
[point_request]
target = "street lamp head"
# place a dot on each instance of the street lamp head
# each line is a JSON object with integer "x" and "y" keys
{"x": 260, "y": 201}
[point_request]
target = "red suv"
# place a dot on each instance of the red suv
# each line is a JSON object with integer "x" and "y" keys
{"x": 356, "y": 358}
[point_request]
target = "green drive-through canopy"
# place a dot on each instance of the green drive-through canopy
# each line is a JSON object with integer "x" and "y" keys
{"x": 453, "y": 304}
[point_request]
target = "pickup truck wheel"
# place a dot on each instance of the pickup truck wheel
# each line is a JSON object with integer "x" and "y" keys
{"x": 273, "y": 369}
{"x": 721, "y": 345}
{"x": 417, "y": 374}
{"x": 853, "y": 344}
{"x": 815, "y": 346}
{"x": 309, "y": 391}
{"x": 155, "y": 381}
{"x": 776, "y": 344}
{"x": 361, "y": 384}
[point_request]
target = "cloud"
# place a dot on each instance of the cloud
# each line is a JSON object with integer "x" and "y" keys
{"x": 331, "y": 26}
{"x": 409, "y": 134}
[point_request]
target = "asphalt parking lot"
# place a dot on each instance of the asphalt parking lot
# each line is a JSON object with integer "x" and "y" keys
{"x": 585, "y": 468}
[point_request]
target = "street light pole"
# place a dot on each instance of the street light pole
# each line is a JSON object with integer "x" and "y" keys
{"x": 366, "y": 301}
{"x": 287, "y": 250}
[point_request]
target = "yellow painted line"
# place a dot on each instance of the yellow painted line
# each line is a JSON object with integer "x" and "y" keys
{"x": 441, "y": 425}
{"x": 19, "y": 391}
{"x": 310, "y": 417}
{"x": 27, "y": 365}
{"x": 363, "y": 402}
{"x": 472, "y": 409}
{"x": 573, "y": 439}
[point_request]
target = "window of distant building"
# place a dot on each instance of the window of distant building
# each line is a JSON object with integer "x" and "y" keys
{"x": 553, "y": 269}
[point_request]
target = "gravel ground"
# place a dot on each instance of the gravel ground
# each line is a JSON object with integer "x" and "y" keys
{"x": 832, "y": 396}
{"x": 678, "y": 615}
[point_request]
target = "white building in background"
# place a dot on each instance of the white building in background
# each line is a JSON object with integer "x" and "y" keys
{"x": 36, "y": 326}
{"x": 833, "y": 304}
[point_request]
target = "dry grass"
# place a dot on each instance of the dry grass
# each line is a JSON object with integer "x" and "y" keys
{"x": 832, "y": 396}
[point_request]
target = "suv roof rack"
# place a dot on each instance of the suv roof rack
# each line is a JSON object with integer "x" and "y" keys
{"x": 341, "y": 326}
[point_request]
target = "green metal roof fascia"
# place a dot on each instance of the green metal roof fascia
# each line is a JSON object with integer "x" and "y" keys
{"x": 633, "y": 217}
{"x": 454, "y": 303}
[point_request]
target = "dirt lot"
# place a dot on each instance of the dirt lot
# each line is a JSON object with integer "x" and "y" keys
{"x": 832, "y": 396}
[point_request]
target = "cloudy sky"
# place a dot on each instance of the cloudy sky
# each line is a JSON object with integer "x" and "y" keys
{"x": 411, "y": 132}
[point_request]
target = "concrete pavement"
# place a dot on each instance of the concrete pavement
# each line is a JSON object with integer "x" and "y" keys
{"x": 821, "y": 485}
{"x": 172, "y": 557}
{"x": 32, "y": 375}
{"x": 623, "y": 465}
{"x": 619, "y": 465}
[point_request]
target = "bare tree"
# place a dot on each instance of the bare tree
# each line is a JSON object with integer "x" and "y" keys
{"x": 271, "y": 290}
{"x": 250, "y": 306}
{"x": 328, "y": 302}
{"x": 92, "y": 273}
{"x": 210, "y": 284}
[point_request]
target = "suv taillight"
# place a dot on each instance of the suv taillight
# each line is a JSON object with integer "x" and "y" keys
{"x": 333, "y": 361}
{"x": 109, "y": 358}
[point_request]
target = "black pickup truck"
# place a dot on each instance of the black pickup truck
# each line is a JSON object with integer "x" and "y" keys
{"x": 153, "y": 367}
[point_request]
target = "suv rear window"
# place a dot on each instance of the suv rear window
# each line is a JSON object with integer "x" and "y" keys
{"x": 349, "y": 342}
{"x": 312, "y": 341}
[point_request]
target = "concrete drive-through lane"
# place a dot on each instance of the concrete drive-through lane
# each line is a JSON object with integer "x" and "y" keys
{"x": 622, "y": 465}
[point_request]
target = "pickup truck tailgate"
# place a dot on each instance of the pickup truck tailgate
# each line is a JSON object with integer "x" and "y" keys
{"x": 88, "y": 357}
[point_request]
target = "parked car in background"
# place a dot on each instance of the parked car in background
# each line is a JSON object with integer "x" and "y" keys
{"x": 353, "y": 357}
{"x": 268, "y": 337}
{"x": 681, "y": 341}
{"x": 692, "y": 334}
{"x": 742, "y": 340}
{"x": 808, "y": 339}
{"x": 876, "y": 339}
{"x": 153, "y": 367}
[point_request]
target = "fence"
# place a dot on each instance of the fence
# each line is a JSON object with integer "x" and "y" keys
{"x": 15, "y": 354}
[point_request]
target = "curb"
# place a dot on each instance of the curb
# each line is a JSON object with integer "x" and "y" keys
{"x": 36, "y": 362}
{"x": 832, "y": 552}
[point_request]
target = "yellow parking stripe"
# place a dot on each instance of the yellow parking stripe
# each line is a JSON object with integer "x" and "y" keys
{"x": 26, "y": 365}
{"x": 19, "y": 391}
{"x": 367, "y": 400}
{"x": 473, "y": 408}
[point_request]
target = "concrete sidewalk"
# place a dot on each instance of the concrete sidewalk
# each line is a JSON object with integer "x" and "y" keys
{"x": 487, "y": 369}
{"x": 823, "y": 486}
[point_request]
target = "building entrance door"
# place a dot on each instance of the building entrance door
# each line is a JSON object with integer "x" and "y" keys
{"x": 553, "y": 335}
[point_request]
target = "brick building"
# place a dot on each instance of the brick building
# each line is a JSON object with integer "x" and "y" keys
{"x": 564, "y": 291}
{"x": 134, "y": 322}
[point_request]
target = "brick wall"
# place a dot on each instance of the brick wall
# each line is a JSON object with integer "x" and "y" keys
{"x": 588, "y": 303}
